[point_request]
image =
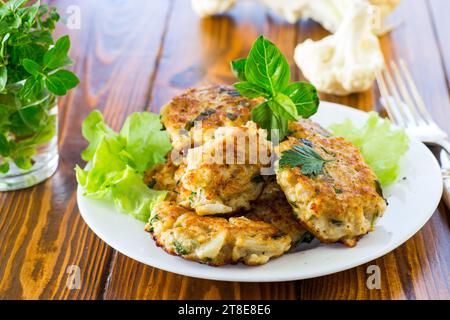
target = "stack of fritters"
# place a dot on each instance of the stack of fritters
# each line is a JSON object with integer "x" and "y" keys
{"x": 222, "y": 210}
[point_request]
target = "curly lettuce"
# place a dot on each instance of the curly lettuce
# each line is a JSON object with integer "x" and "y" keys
{"x": 381, "y": 145}
{"x": 118, "y": 161}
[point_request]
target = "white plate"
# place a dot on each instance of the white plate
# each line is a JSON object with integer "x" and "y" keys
{"x": 411, "y": 203}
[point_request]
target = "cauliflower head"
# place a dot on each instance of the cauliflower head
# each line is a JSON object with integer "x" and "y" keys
{"x": 329, "y": 13}
{"x": 346, "y": 62}
{"x": 290, "y": 10}
{"x": 206, "y": 8}
{"x": 385, "y": 6}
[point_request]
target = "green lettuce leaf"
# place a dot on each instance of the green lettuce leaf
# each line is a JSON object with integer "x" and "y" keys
{"x": 118, "y": 161}
{"x": 146, "y": 143}
{"x": 130, "y": 194}
{"x": 381, "y": 145}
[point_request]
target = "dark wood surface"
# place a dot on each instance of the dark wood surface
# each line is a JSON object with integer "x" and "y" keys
{"x": 134, "y": 56}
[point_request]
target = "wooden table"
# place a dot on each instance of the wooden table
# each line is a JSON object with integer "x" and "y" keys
{"x": 134, "y": 56}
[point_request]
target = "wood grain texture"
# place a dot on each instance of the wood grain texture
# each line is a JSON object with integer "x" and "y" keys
{"x": 135, "y": 55}
{"x": 41, "y": 230}
{"x": 194, "y": 56}
{"x": 419, "y": 269}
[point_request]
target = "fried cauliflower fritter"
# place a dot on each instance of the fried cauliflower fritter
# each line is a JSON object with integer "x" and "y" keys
{"x": 341, "y": 204}
{"x": 273, "y": 208}
{"x": 214, "y": 107}
{"x": 162, "y": 177}
{"x": 224, "y": 175}
{"x": 213, "y": 240}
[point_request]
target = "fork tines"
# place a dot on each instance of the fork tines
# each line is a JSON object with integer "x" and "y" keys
{"x": 401, "y": 97}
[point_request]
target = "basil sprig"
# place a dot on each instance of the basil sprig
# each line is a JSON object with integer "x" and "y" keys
{"x": 266, "y": 73}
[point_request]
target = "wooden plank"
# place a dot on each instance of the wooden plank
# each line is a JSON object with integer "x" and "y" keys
{"x": 194, "y": 56}
{"x": 198, "y": 56}
{"x": 439, "y": 11}
{"x": 420, "y": 268}
{"x": 41, "y": 230}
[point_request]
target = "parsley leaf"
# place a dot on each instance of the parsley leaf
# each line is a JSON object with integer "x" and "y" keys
{"x": 307, "y": 158}
{"x": 266, "y": 73}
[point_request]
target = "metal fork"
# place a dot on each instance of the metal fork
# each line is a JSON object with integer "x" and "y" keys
{"x": 406, "y": 108}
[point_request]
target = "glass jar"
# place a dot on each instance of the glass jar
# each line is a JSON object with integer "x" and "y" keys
{"x": 28, "y": 138}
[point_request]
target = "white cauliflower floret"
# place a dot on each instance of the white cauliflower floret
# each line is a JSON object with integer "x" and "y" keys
{"x": 205, "y": 8}
{"x": 385, "y": 6}
{"x": 329, "y": 13}
{"x": 346, "y": 62}
{"x": 290, "y": 10}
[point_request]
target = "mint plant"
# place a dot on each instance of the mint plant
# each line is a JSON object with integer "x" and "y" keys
{"x": 32, "y": 72}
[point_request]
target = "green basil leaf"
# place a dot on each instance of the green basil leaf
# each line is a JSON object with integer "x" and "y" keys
{"x": 238, "y": 68}
{"x": 3, "y": 77}
{"x": 304, "y": 96}
{"x": 56, "y": 56}
{"x": 263, "y": 116}
{"x": 69, "y": 79}
{"x": 284, "y": 107}
{"x": 56, "y": 85}
{"x": 267, "y": 67}
{"x": 32, "y": 67}
{"x": 276, "y": 126}
{"x": 281, "y": 127}
{"x": 249, "y": 90}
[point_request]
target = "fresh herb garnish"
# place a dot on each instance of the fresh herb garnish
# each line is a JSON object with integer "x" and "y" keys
{"x": 32, "y": 65}
{"x": 191, "y": 197}
{"x": 152, "y": 183}
{"x": 179, "y": 248}
{"x": 337, "y": 223}
{"x": 307, "y": 237}
{"x": 29, "y": 53}
{"x": 154, "y": 219}
{"x": 266, "y": 73}
{"x": 307, "y": 142}
{"x": 338, "y": 190}
{"x": 307, "y": 158}
{"x": 202, "y": 116}
{"x": 278, "y": 235}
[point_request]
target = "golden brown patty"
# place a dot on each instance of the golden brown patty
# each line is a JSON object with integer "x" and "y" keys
{"x": 213, "y": 240}
{"x": 341, "y": 204}
{"x": 214, "y": 107}
{"x": 162, "y": 177}
{"x": 273, "y": 208}
{"x": 305, "y": 127}
{"x": 224, "y": 175}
